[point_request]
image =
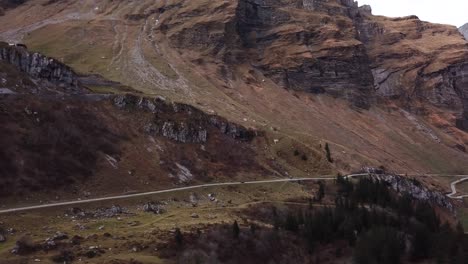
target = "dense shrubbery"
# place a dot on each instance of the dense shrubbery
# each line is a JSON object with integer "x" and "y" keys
{"x": 54, "y": 146}
{"x": 367, "y": 213}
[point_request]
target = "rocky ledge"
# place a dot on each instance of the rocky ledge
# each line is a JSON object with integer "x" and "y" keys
{"x": 38, "y": 66}
{"x": 180, "y": 122}
{"x": 416, "y": 190}
{"x": 307, "y": 46}
{"x": 332, "y": 47}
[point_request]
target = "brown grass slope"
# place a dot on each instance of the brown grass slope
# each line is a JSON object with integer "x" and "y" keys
{"x": 68, "y": 146}
{"x": 279, "y": 66}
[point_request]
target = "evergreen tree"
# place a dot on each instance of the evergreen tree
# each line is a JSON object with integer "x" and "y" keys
{"x": 381, "y": 245}
{"x": 253, "y": 228}
{"x": 327, "y": 150}
{"x": 421, "y": 243}
{"x": 179, "y": 238}
{"x": 321, "y": 191}
{"x": 235, "y": 229}
{"x": 291, "y": 222}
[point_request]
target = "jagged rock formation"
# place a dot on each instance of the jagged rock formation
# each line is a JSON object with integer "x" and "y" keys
{"x": 332, "y": 47}
{"x": 182, "y": 123}
{"x": 464, "y": 30}
{"x": 411, "y": 65}
{"x": 416, "y": 190}
{"x": 301, "y": 45}
{"x": 38, "y": 66}
{"x": 152, "y": 207}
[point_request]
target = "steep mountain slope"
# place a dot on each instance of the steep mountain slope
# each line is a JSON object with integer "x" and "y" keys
{"x": 417, "y": 63}
{"x": 380, "y": 91}
{"x": 58, "y": 138}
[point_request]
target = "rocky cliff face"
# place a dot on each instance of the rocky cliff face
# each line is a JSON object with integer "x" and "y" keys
{"x": 464, "y": 30}
{"x": 182, "y": 123}
{"x": 38, "y": 66}
{"x": 276, "y": 65}
{"x": 332, "y": 47}
{"x": 301, "y": 45}
{"x": 416, "y": 62}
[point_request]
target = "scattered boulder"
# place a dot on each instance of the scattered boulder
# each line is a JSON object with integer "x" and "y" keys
{"x": 65, "y": 256}
{"x": 115, "y": 210}
{"x": 212, "y": 197}
{"x": 59, "y": 236}
{"x": 76, "y": 240}
{"x": 91, "y": 253}
{"x": 49, "y": 244}
{"x": 194, "y": 215}
{"x": 24, "y": 246}
{"x": 75, "y": 211}
{"x": 94, "y": 251}
{"x": 80, "y": 227}
{"x": 151, "y": 207}
{"x": 134, "y": 223}
{"x": 193, "y": 198}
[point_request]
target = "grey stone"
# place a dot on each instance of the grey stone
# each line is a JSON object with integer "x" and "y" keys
{"x": 38, "y": 65}
{"x": 464, "y": 30}
{"x": 151, "y": 207}
{"x": 194, "y": 215}
{"x": 416, "y": 190}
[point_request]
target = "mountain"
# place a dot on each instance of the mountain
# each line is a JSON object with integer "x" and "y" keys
{"x": 196, "y": 131}
{"x": 379, "y": 91}
{"x": 464, "y": 30}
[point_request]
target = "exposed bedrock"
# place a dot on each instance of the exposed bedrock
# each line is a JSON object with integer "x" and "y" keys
{"x": 181, "y": 122}
{"x": 37, "y": 65}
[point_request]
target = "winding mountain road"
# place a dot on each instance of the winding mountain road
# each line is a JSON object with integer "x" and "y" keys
{"x": 119, "y": 197}
{"x": 126, "y": 196}
{"x": 453, "y": 186}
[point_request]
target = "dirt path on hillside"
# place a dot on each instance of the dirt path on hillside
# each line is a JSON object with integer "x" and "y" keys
{"x": 17, "y": 35}
{"x": 118, "y": 45}
{"x": 453, "y": 187}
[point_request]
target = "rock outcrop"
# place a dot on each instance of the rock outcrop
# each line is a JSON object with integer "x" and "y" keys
{"x": 411, "y": 64}
{"x": 38, "y": 66}
{"x": 152, "y": 207}
{"x": 464, "y": 30}
{"x": 180, "y": 122}
{"x": 416, "y": 190}
{"x": 332, "y": 47}
{"x": 301, "y": 45}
